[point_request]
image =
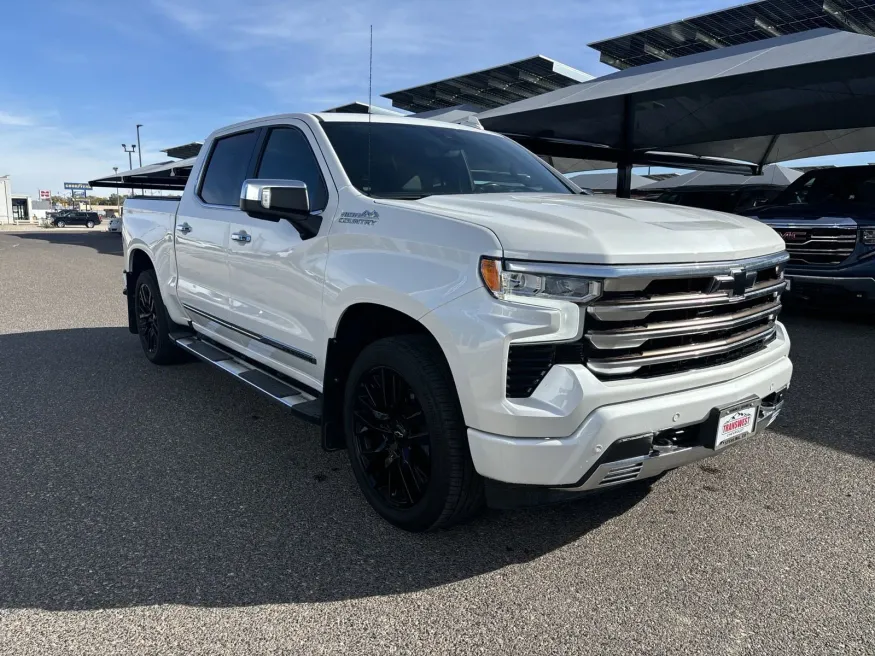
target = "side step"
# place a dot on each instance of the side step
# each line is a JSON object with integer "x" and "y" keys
{"x": 303, "y": 404}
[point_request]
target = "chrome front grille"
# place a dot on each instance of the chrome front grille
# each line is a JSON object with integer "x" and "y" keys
{"x": 825, "y": 246}
{"x": 656, "y": 326}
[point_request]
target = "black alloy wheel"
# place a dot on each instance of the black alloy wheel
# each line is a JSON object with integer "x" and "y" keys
{"x": 392, "y": 439}
{"x": 153, "y": 323}
{"x": 147, "y": 316}
{"x": 406, "y": 437}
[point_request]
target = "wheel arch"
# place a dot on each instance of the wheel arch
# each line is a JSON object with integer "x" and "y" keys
{"x": 359, "y": 325}
{"x": 138, "y": 261}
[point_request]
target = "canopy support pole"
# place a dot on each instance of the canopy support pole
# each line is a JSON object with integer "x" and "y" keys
{"x": 624, "y": 179}
{"x": 624, "y": 165}
{"x": 768, "y": 151}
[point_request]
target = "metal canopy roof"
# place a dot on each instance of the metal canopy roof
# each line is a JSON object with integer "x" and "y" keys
{"x": 730, "y": 27}
{"x": 185, "y": 151}
{"x": 361, "y": 108}
{"x": 773, "y": 175}
{"x": 790, "y": 97}
{"x": 165, "y": 175}
{"x": 491, "y": 87}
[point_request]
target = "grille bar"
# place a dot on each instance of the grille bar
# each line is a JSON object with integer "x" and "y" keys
{"x": 637, "y": 336}
{"x": 823, "y": 245}
{"x": 631, "y": 364}
{"x": 640, "y": 309}
{"x": 657, "y": 327}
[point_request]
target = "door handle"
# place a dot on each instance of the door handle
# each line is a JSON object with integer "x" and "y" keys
{"x": 241, "y": 236}
{"x": 184, "y": 228}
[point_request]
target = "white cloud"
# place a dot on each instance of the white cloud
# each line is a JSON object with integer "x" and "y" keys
{"x": 15, "y": 120}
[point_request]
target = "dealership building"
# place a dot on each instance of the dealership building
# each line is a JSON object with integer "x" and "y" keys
{"x": 19, "y": 208}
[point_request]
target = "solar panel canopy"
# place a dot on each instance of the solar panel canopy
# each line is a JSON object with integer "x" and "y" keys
{"x": 184, "y": 151}
{"x": 745, "y": 23}
{"x": 491, "y": 87}
{"x": 791, "y": 97}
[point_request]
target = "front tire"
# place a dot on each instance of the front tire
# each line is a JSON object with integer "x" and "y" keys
{"x": 61, "y": 224}
{"x": 406, "y": 436}
{"x": 153, "y": 324}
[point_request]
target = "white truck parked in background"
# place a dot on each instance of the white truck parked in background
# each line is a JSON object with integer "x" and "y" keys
{"x": 456, "y": 314}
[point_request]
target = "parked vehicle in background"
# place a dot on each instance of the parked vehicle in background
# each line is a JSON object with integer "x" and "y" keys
{"x": 115, "y": 225}
{"x": 455, "y": 314}
{"x": 72, "y": 218}
{"x": 721, "y": 199}
{"x": 723, "y": 192}
{"x": 827, "y": 220}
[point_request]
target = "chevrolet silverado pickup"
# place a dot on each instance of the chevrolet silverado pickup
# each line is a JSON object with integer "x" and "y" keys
{"x": 827, "y": 219}
{"x": 457, "y": 315}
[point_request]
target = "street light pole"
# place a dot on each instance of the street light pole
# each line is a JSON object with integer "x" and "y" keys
{"x": 139, "y": 125}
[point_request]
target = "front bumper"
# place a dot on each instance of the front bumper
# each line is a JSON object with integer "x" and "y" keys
{"x": 821, "y": 287}
{"x": 577, "y": 461}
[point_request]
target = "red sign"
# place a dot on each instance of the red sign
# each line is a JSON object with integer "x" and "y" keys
{"x": 45, "y": 194}
{"x": 735, "y": 424}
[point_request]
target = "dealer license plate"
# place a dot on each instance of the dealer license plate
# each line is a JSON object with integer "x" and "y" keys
{"x": 735, "y": 425}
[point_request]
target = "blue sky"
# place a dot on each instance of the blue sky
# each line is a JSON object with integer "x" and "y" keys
{"x": 78, "y": 75}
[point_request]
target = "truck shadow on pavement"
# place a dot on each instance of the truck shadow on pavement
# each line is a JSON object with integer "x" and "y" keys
{"x": 126, "y": 484}
{"x": 105, "y": 243}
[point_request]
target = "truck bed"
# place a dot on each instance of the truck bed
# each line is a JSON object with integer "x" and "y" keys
{"x": 150, "y": 218}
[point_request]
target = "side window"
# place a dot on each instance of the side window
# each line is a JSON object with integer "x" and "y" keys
{"x": 226, "y": 169}
{"x": 288, "y": 156}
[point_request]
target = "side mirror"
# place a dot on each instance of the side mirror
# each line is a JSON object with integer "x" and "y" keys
{"x": 274, "y": 197}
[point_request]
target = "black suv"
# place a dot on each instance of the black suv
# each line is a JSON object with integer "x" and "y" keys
{"x": 88, "y": 219}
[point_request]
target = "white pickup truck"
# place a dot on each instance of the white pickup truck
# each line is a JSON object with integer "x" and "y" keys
{"x": 456, "y": 314}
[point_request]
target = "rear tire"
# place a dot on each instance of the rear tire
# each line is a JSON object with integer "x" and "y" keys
{"x": 89, "y": 224}
{"x": 404, "y": 426}
{"x": 153, "y": 324}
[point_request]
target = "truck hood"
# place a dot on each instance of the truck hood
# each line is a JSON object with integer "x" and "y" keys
{"x": 605, "y": 230}
{"x": 849, "y": 212}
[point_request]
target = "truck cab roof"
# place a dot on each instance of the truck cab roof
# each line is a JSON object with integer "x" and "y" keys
{"x": 335, "y": 117}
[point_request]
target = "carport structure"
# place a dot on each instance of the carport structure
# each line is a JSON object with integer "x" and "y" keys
{"x": 167, "y": 176}
{"x": 732, "y": 110}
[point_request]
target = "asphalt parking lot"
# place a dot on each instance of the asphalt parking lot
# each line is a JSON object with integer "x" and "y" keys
{"x": 171, "y": 510}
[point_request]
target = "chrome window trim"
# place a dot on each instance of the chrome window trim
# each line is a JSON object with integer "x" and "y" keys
{"x": 646, "y": 270}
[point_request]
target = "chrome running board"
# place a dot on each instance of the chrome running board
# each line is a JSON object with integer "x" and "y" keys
{"x": 303, "y": 404}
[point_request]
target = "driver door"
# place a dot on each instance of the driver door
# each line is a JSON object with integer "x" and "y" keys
{"x": 276, "y": 271}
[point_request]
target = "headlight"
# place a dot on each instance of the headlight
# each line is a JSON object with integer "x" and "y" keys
{"x": 510, "y": 284}
{"x": 867, "y": 236}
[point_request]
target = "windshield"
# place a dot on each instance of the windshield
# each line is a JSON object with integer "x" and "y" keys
{"x": 839, "y": 185}
{"x": 414, "y": 161}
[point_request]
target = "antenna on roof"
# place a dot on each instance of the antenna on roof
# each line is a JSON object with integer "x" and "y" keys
{"x": 370, "y": 83}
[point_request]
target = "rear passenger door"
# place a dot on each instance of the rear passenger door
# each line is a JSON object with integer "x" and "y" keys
{"x": 203, "y": 224}
{"x": 276, "y": 272}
